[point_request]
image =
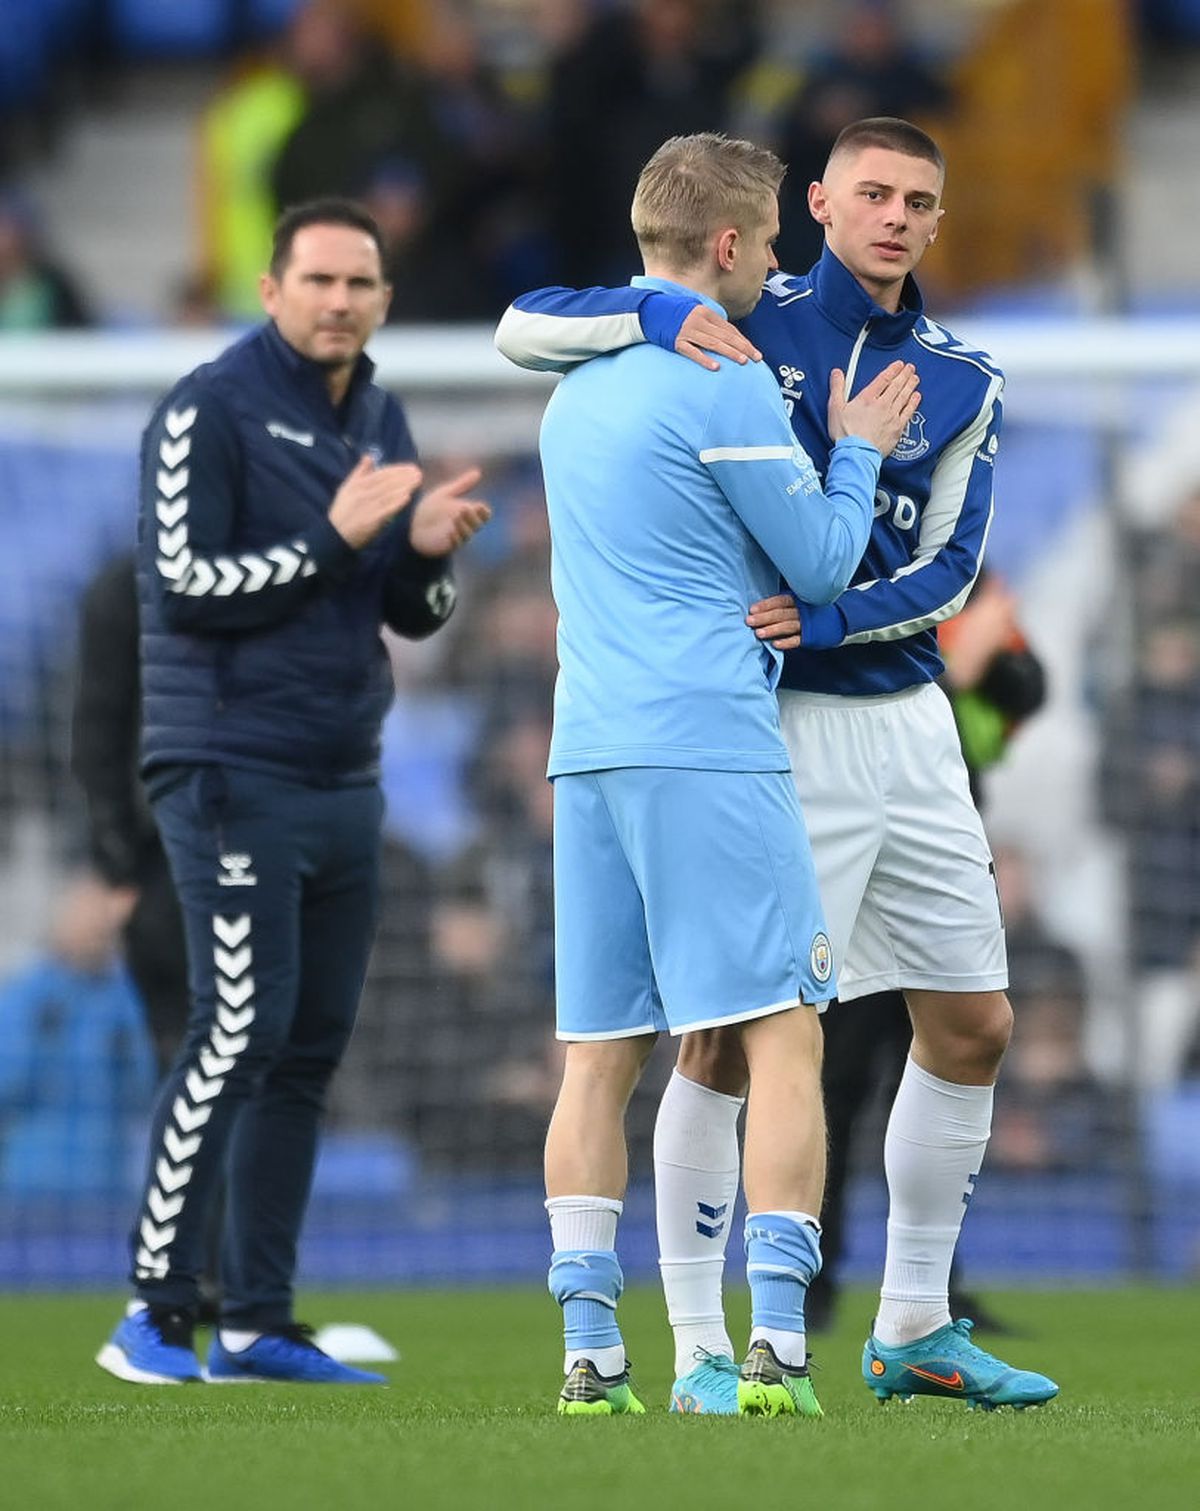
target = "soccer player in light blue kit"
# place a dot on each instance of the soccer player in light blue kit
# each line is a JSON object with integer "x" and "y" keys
{"x": 685, "y": 896}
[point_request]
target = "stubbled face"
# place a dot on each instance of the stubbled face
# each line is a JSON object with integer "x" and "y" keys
{"x": 880, "y": 210}
{"x": 755, "y": 258}
{"x": 331, "y": 296}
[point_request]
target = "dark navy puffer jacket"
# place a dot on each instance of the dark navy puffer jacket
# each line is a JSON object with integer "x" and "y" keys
{"x": 260, "y": 641}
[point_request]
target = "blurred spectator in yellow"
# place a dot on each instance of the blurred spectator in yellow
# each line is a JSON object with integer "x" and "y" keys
{"x": 318, "y": 116}
{"x": 873, "y": 71}
{"x": 241, "y": 135}
{"x": 76, "y": 1066}
{"x": 635, "y": 76}
{"x": 35, "y": 293}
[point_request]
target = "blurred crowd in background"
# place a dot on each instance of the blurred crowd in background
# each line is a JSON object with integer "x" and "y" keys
{"x": 496, "y": 140}
{"x": 497, "y": 143}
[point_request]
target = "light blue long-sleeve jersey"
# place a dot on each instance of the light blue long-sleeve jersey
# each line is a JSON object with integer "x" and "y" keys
{"x": 677, "y": 497}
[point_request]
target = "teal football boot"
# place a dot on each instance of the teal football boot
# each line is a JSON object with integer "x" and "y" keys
{"x": 947, "y": 1363}
{"x": 710, "y": 1387}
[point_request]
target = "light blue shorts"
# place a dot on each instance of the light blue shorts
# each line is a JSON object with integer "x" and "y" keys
{"x": 683, "y": 899}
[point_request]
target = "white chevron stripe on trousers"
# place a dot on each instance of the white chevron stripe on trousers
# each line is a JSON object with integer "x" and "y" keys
{"x": 233, "y": 958}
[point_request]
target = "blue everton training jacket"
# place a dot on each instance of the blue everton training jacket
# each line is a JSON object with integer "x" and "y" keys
{"x": 934, "y": 502}
{"x": 260, "y": 641}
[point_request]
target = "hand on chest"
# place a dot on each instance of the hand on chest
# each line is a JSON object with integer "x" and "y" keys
{"x": 906, "y": 474}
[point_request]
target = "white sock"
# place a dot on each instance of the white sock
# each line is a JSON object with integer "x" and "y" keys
{"x": 584, "y": 1222}
{"x": 791, "y": 1349}
{"x": 608, "y": 1361}
{"x": 936, "y": 1138}
{"x": 235, "y": 1340}
{"x": 696, "y": 1166}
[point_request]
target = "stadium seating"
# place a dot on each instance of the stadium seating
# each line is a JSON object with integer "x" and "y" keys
{"x": 150, "y": 29}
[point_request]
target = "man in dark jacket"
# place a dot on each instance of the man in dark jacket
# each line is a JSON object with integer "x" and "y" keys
{"x": 276, "y": 537}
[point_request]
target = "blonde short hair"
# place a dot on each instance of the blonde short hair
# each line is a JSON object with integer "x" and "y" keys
{"x": 695, "y": 185}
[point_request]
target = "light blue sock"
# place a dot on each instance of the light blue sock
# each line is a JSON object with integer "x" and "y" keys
{"x": 783, "y": 1255}
{"x": 587, "y": 1284}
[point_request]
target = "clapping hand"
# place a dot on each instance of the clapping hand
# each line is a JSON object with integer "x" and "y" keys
{"x": 445, "y": 518}
{"x": 370, "y": 498}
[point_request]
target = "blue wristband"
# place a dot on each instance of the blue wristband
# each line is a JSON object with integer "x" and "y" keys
{"x": 662, "y": 315}
{"x": 822, "y": 626}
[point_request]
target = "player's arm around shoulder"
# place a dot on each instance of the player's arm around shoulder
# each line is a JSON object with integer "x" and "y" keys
{"x": 555, "y": 329}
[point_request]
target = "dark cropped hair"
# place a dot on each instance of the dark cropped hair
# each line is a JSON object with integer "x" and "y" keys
{"x": 891, "y": 132}
{"x": 320, "y": 212}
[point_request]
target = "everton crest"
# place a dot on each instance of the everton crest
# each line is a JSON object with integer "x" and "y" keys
{"x": 913, "y": 443}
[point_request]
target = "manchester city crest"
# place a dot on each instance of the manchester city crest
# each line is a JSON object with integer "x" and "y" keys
{"x": 913, "y": 443}
{"x": 820, "y": 957}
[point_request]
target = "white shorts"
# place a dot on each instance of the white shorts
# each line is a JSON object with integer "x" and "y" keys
{"x": 903, "y": 864}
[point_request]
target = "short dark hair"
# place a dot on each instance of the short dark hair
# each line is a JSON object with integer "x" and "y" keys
{"x": 321, "y": 212}
{"x": 891, "y": 132}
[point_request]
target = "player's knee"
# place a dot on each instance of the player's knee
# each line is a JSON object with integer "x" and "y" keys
{"x": 968, "y": 1046}
{"x": 585, "y": 1272}
{"x": 994, "y": 1030}
{"x": 714, "y": 1057}
{"x": 607, "y": 1070}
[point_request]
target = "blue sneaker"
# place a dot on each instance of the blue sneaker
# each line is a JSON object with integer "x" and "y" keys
{"x": 947, "y": 1363}
{"x": 152, "y": 1346}
{"x": 286, "y": 1354}
{"x": 710, "y": 1387}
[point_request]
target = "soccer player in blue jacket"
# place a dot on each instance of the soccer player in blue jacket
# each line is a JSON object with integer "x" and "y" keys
{"x": 279, "y": 531}
{"x": 904, "y": 867}
{"x": 684, "y": 891}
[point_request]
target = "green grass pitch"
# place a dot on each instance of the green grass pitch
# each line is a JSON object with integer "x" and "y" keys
{"x": 469, "y": 1420}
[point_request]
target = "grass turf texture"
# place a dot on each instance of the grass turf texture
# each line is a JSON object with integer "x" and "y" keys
{"x": 469, "y": 1419}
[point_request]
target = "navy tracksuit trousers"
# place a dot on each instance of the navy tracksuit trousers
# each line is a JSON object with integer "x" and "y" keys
{"x": 278, "y": 882}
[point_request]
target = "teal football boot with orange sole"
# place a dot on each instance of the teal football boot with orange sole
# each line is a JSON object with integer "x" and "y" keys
{"x": 948, "y": 1364}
